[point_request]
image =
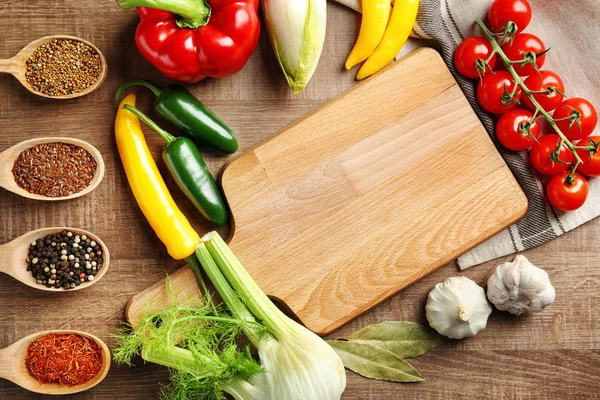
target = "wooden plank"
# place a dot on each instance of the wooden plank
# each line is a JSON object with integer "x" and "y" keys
{"x": 544, "y": 356}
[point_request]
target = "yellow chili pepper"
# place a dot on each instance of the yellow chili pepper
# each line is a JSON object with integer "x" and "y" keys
{"x": 404, "y": 15}
{"x": 148, "y": 186}
{"x": 375, "y": 15}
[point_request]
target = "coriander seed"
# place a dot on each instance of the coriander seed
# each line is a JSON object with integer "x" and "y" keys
{"x": 62, "y": 67}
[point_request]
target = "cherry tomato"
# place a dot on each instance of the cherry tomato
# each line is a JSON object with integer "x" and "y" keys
{"x": 508, "y": 130}
{"x": 567, "y": 196}
{"x": 503, "y": 11}
{"x": 525, "y": 43}
{"x": 588, "y": 118}
{"x": 590, "y": 166}
{"x": 468, "y": 52}
{"x": 492, "y": 88}
{"x": 540, "y": 155}
{"x": 543, "y": 81}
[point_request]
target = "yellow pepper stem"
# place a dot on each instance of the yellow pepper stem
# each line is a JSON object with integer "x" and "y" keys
{"x": 148, "y": 186}
{"x": 404, "y": 15}
{"x": 375, "y": 16}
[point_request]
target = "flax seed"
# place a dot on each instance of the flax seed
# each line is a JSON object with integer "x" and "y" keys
{"x": 54, "y": 169}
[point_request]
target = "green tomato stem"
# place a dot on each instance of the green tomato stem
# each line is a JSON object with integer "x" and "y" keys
{"x": 540, "y": 91}
{"x": 562, "y": 119}
{"x": 519, "y": 81}
{"x": 490, "y": 57}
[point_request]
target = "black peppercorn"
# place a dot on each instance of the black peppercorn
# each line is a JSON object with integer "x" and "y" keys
{"x": 55, "y": 262}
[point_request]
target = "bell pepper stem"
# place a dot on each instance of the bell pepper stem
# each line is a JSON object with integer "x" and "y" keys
{"x": 193, "y": 13}
{"x": 138, "y": 82}
{"x": 164, "y": 134}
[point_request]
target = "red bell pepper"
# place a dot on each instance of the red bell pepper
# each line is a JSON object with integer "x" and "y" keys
{"x": 188, "y": 40}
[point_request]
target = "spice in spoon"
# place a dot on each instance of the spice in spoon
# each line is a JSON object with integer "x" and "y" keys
{"x": 62, "y": 67}
{"x": 54, "y": 169}
{"x": 66, "y": 358}
{"x": 64, "y": 260}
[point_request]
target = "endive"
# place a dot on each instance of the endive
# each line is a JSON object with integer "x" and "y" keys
{"x": 297, "y": 32}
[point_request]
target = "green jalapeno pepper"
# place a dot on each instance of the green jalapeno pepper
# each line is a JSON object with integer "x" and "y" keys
{"x": 189, "y": 116}
{"x": 189, "y": 171}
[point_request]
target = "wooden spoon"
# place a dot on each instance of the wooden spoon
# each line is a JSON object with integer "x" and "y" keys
{"x": 17, "y": 66}
{"x": 9, "y": 156}
{"x": 13, "y": 255}
{"x": 12, "y": 366}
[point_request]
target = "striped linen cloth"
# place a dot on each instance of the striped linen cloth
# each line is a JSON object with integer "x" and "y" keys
{"x": 570, "y": 28}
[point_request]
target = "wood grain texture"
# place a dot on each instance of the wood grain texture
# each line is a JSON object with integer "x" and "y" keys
{"x": 551, "y": 355}
{"x": 375, "y": 189}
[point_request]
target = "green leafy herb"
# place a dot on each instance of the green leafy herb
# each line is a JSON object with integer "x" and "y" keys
{"x": 185, "y": 385}
{"x": 128, "y": 345}
{"x": 197, "y": 343}
{"x": 377, "y": 351}
{"x": 402, "y": 338}
{"x": 373, "y": 362}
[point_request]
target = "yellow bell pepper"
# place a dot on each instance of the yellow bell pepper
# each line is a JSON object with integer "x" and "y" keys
{"x": 375, "y": 15}
{"x": 404, "y": 15}
{"x": 148, "y": 186}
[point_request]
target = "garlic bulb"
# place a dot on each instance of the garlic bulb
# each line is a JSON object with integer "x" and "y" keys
{"x": 520, "y": 286}
{"x": 457, "y": 308}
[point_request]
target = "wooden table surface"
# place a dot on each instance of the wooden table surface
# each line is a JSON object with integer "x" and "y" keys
{"x": 551, "y": 355}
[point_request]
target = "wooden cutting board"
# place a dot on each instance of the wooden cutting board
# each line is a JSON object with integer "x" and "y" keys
{"x": 359, "y": 199}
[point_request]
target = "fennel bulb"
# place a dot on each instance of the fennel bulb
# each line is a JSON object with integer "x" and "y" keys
{"x": 200, "y": 346}
{"x": 302, "y": 366}
{"x": 297, "y": 364}
{"x": 297, "y": 32}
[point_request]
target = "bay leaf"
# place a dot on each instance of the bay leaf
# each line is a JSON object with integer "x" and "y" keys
{"x": 402, "y": 338}
{"x": 374, "y": 362}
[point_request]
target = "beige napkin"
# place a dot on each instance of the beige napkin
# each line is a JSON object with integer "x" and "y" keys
{"x": 570, "y": 28}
